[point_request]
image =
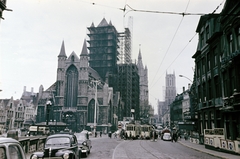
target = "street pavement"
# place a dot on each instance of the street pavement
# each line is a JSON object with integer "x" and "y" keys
{"x": 194, "y": 146}
{"x": 202, "y": 148}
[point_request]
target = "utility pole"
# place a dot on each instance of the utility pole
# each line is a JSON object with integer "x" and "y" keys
{"x": 96, "y": 82}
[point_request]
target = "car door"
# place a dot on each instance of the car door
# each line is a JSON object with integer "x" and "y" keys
{"x": 3, "y": 152}
{"x": 74, "y": 145}
{"x": 15, "y": 152}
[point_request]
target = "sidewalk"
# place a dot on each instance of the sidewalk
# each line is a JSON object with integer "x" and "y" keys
{"x": 202, "y": 148}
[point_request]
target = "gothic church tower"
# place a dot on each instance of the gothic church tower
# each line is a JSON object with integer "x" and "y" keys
{"x": 170, "y": 92}
{"x": 72, "y": 79}
{"x": 83, "y": 77}
{"x": 143, "y": 86}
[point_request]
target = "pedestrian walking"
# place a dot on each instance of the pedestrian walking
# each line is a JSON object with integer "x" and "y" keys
{"x": 100, "y": 134}
{"x": 110, "y": 134}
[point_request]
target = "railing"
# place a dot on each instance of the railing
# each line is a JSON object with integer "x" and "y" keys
{"x": 32, "y": 143}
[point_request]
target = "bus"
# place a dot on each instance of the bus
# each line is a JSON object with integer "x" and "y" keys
{"x": 38, "y": 130}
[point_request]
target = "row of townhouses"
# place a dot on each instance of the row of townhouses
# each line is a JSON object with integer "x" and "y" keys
{"x": 17, "y": 114}
{"x": 209, "y": 109}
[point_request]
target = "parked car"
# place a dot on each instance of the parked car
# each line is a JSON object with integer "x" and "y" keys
{"x": 11, "y": 149}
{"x": 167, "y": 137}
{"x": 62, "y": 145}
{"x": 13, "y": 134}
{"x": 84, "y": 143}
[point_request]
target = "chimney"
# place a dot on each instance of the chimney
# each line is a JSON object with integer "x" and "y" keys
{"x": 183, "y": 89}
{"x": 24, "y": 89}
{"x": 32, "y": 91}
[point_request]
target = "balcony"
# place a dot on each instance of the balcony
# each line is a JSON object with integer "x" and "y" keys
{"x": 227, "y": 61}
{"x": 19, "y": 119}
{"x": 236, "y": 99}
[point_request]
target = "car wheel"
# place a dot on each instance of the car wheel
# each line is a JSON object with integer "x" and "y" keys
{"x": 72, "y": 157}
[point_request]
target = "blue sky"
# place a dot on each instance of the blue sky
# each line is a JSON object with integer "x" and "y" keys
{"x": 31, "y": 37}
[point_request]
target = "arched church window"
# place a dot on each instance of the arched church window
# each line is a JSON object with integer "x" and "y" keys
{"x": 72, "y": 58}
{"x": 71, "y": 87}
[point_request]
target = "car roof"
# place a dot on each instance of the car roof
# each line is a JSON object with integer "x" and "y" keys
{"x": 8, "y": 140}
{"x": 84, "y": 131}
{"x": 61, "y": 135}
{"x": 167, "y": 133}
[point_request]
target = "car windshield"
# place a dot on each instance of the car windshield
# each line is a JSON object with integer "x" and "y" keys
{"x": 2, "y": 153}
{"x": 58, "y": 141}
{"x": 166, "y": 134}
{"x": 81, "y": 137}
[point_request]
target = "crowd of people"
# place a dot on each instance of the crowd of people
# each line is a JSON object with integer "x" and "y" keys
{"x": 154, "y": 135}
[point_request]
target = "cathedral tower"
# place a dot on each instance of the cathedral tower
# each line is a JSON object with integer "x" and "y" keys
{"x": 143, "y": 86}
{"x": 170, "y": 92}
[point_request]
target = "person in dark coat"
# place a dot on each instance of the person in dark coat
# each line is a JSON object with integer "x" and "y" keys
{"x": 110, "y": 134}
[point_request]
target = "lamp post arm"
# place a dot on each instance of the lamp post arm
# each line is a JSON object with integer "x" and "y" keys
{"x": 186, "y": 78}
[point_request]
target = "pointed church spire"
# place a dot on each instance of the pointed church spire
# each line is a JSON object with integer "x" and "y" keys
{"x": 84, "y": 48}
{"x": 92, "y": 25}
{"x": 84, "y": 55}
{"x": 62, "y": 51}
{"x": 139, "y": 55}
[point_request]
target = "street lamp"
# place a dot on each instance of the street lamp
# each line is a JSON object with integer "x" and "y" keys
{"x": 48, "y": 104}
{"x": 96, "y": 82}
{"x": 186, "y": 78}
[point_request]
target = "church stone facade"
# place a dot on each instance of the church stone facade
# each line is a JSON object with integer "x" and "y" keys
{"x": 73, "y": 96}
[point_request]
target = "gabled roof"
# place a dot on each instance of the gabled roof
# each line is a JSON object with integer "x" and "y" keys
{"x": 73, "y": 54}
{"x": 203, "y": 19}
{"x": 103, "y": 23}
{"x": 94, "y": 73}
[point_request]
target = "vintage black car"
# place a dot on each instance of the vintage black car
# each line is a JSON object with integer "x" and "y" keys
{"x": 59, "y": 146}
{"x": 84, "y": 143}
{"x": 11, "y": 149}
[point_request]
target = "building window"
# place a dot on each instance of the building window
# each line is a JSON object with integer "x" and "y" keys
{"x": 215, "y": 57}
{"x": 238, "y": 38}
{"x": 230, "y": 39}
{"x": 203, "y": 68}
{"x": 202, "y": 39}
{"x": 217, "y": 87}
{"x": 209, "y": 61}
{"x": 209, "y": 90}
{"x": 207, "y": 32}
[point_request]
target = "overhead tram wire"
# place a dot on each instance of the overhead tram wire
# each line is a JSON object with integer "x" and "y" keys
{"x": 169, "y": 45}
{"x": 186, "y": 45}
{"x": 127, "y": 8}
{"x": 177, "y": 56}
